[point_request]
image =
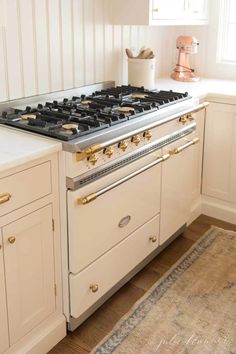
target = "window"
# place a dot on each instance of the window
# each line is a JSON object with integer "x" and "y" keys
{"x": 227, "y": 32}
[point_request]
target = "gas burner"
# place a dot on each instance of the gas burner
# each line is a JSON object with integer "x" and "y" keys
{"x": 74, "y": 117}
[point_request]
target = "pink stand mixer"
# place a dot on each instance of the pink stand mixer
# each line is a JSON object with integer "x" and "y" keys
{"x": 186, "y": 45}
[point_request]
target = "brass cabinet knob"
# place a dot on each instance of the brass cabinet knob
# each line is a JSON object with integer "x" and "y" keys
{"x": 5, "y": 197}
{"x": 147, "y": 135}
{"x": 155, "y": 10}
{"x": 183, "y": 119}
{"x": 11, "y": 239}
{"x": 92, "y": 159}
{"x": 136, "y": 139}
{"x": 108, "y": 151}
{"x": 94, "y": 288}
{"x": 123, "y": 145}
{"x": 153, "y": 239}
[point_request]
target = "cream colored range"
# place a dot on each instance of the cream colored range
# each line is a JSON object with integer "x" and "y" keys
{"x": 112, "y": 235}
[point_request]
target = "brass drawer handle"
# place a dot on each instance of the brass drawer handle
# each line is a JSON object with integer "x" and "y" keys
{"x": 183, "y": 147}
{"x": 5, "y": 197}
{"x": 153, "y": 239}
{"x": 94, "y": 288}
{"x": 12, "y": 239}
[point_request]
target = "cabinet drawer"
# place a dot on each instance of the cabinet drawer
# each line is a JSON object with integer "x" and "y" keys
{"x": 96, "y": 227}
{"x": 93, "y": 282}
{"x": 24, "y": 187}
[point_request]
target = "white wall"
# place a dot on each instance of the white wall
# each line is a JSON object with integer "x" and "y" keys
{"x": 51, "y": 45}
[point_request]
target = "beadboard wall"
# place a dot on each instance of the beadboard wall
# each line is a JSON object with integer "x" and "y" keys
{"x": 51, "y": 45}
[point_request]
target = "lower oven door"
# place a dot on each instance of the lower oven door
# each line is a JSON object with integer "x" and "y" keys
{"x": 97, "y": 226}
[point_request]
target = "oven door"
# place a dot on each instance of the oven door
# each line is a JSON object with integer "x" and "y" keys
{"x": 106, "y": 211}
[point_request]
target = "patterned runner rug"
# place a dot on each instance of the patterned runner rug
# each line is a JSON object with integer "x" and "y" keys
{"x": 190, "y": 310}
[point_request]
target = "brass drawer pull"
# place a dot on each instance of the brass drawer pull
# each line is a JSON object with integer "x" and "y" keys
{"x": 12, "y": 239}
{"x": 183, "y": 147}
{"x": 93, "y": 196}
{"x": 94, "y": 288}
{"x": 153, "y": 239}
{"x": 5, "y": 197}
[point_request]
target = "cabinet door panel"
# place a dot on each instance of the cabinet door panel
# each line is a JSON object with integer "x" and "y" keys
{"x": 198, "y": 9}
{"x": 4, "y": 343}
{"x": 168, "y": 9}
{"x": 219, "y": 169}
{"x": 29, "y": 264}
{"x": 176, "y": 190}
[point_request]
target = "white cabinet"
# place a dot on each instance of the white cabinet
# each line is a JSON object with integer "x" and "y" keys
{"x": 168, "y": 9}
{"x": 4, "y": 342}
{"x": 31, "y": 317}
{"x": 176, "y": 193}
{"x": 29, "y": 269}
{"x": 198, "y": 10}
{"x": 159, "y": 12}
{"x": 219, "y": 169}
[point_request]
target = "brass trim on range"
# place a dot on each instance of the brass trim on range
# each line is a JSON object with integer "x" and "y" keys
{"x": 88, "y": 199}
{"x": 88, "y": 152}
{"x": 93, "y": 196}
{"x": 5, "y": 197}
{"x": 183, "y": 147}
{"x": 80, "y": 156}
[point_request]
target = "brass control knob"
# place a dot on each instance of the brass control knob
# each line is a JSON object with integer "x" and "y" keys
{"x": 108, "y": 151}
{"x": 183, "y": 119}
{"x": 190, "y": 116}
{"x": 136, "y": 139}
{"x": 92, "y": 159}
{"x": 147, "y": 135}
{"x": 94, "y": 288}
{"x": 12, "y": 239}
{"x": 153, "y": 239}
{"x": 123, "y": 145}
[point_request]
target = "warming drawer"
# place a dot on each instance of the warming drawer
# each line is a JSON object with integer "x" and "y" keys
{"x": 93, "y": 282}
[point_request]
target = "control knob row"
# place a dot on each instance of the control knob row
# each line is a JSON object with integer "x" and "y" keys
{"x": 123, "y": 145}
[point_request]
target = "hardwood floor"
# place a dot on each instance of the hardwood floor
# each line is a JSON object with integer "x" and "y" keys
{"x": 94, "y": 329}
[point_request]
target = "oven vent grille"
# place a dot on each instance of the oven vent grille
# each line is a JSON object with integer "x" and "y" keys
{"x": 78, "y": 183}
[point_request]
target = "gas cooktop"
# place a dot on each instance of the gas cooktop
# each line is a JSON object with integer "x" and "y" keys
{"x": 74, "y": 117}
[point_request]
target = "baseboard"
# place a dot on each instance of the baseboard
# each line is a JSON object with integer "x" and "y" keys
{"x": 219, "y": 209}
{"x": 43, "y": 338}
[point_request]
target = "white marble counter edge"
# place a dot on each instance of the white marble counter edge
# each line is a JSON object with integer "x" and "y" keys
{"x": 48, "y": 147}
{"x": 28, "y": 158}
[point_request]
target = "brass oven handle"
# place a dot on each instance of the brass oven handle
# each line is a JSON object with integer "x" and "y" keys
{"x": 5, "y": 197}
{"x": 82, "y": 155}
{"x": 93, "y": 196}
{"x": 183, "y": 147}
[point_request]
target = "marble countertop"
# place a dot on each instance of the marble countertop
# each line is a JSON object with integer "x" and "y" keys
{"x": 212, "y": 89}
{"x": 17, "y": 148}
